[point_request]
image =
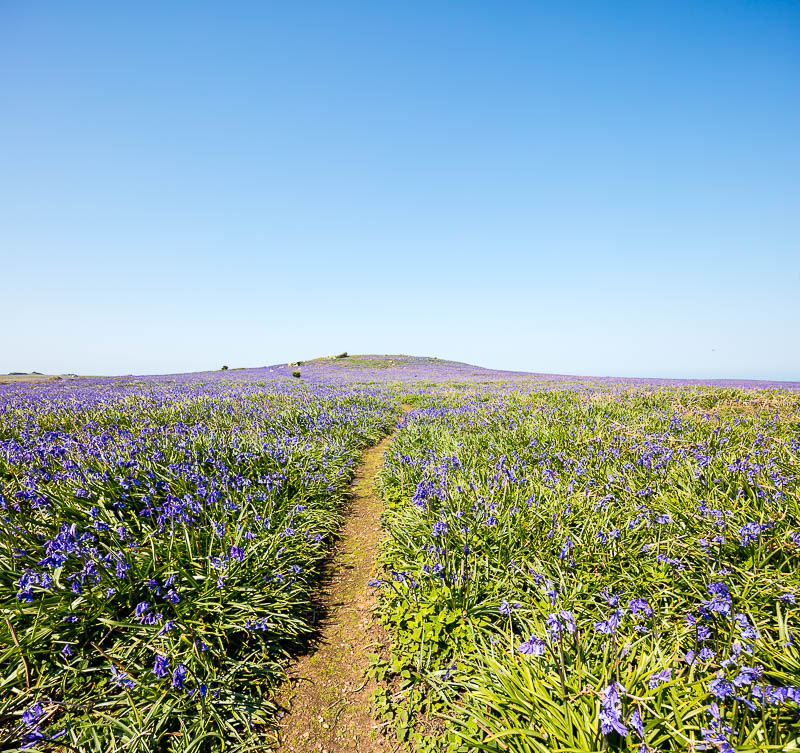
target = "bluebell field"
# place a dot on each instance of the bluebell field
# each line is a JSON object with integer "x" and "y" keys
{"x": 159, "y": 549}
{"x": 597, "y": 569}
{"x": 567, "y": 564}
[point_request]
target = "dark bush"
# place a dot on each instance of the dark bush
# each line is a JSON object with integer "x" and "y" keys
{"x": 224, "y": 368}
{"x": 296, "y": 374}
{"x": 342, "y": 355}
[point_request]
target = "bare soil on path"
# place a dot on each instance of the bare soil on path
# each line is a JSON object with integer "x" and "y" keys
{"x": 327, "y": 698}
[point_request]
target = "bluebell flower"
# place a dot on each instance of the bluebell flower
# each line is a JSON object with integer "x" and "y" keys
{"x": 609, "y": 597}
{"x": 33, "y": 737}
{"x": 166, "y": 627}
{"x": 720, "y": 601}
{"x": 611, "y": 710}
{"x": 609, "y": 625}
{"x": 659, "y": 677}
{"x": 747, "y": 676}
{"x": 122, "y": 568}
{"x": 718, "y": 733}
{"x": 534, "y": 646}
{"x": 640, "y": 605}
{"x": 702, "y": 632}
{"x": 771, "y": 695}
{"x": 720, "y": 686}
{"x": 553, "y": 625}
{"x": 635, "y": 720}
{"x": 568, "y": 621}
{"x": 31, "y": 714}
{"x": 161, "y": 666}
{"x": 121, "y": 679}
{"x": 179, "y": 676}
{"x": 506, "y": 607}
{"x": 745, "y": 628}
{"x": 751, "y": 530}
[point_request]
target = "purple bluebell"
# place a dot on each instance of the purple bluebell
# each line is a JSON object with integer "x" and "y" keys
{"x": 611, "y": 710}
{"x": 179, "y": 676}
{"x": 635, "y": 720}
{"x": 745, "y": 628}
{"x": 656, "y": 679}
{"x": 121, "y": 679}
{"x": 747, "y": 676}
{"x": 568, "y": 621}
{"x": 33, "y": 737}
{"x": 534, "y": 646}
{"x": 717, "y": 733}
{"x": 31, "y": 714}
{"x": 640, "y": 605}
{"x": 506, "y": 606}
{"x": 161, "y": 666}
{"x": 610, "y": 624}
{"x": 166, "y": 627}
{"x": 720, "y": 686}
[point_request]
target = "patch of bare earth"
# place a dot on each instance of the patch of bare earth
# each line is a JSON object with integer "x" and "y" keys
{"x": 327, "y": 699}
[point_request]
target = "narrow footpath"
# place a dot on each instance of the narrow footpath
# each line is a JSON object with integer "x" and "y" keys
{"x": 327, "y": 699}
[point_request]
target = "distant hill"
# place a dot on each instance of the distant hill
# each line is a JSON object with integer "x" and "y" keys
{"x": 406, "y": 368}
{"x": 371, "y": 368}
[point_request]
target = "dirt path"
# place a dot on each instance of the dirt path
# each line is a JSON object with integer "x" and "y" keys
{"x": 327, "y": 699}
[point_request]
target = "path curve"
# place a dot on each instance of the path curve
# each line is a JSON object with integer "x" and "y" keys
{"x": 327, "y": 699}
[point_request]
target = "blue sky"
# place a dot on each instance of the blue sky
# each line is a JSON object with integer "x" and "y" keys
{"x": 590, "y": 188}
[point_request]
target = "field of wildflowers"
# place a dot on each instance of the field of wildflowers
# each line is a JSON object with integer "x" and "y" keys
{"x": 596, "y": 569}
{"x": 569, "y": 565}
{"x": 159, "y": 544}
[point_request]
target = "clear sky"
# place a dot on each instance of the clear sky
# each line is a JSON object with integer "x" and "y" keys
{"x": 592, "y": 188}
